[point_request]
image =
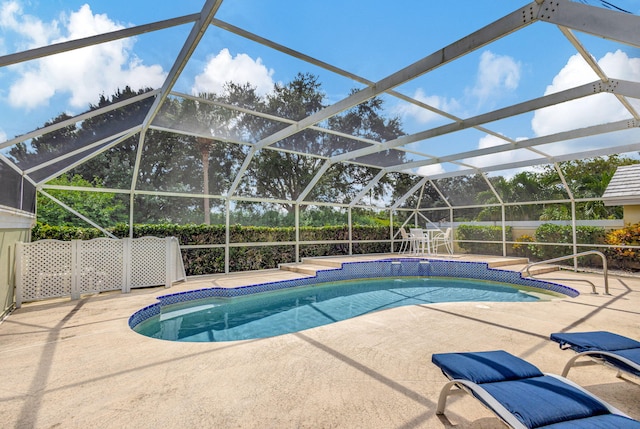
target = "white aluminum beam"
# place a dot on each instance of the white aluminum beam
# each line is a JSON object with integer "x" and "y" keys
{"x": 444, "y": 198}
{"x": 78, "y": 118}
{"x": 410, "y": 192}
{"x": 516, "y": 109}
{"x": 240, "y": 174}
{"x": 70, "y": 45}
{"x": 274, "y": 118}
{"x": 323, "y": 169}
{"x": 12, "y": 165}
{"x": 367, "y": 188}
{"x": 533, "y": 162}
{"x": 523, "y": 144}
{"x": 76, "y": 213}
{"x": 119, "y": 140}
{"x": 619, "y": 26}
{"x": 596, "y": 67}
{"x": 83, "y": 189}
{"x": 117, "y": 137}
{"x": 200, "y": 26}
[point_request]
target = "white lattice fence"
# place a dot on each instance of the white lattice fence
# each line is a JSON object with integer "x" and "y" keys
{"x": 46, "y": 267}
{"x": 54, "y": 269}
{"x": 100, "y": 265}
{"x": 148, "y": 261}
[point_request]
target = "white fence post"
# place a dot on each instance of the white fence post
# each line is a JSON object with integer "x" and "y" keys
{"x": 75, "y": 270}
{"x": 19, "y": 275}
{"x": 169, "y": 262}
{"x": 126, "y": 265}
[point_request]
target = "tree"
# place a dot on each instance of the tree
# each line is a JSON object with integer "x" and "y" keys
{"x": 204, "y": 155}
{"x": 102, "y": 208}
{"x": 223, "y": 124}
{"x": 47, "y": 146}
{"x": 524, "y": 186}
{"x": 285, "y": 175}
{"x": 589, "y": 178}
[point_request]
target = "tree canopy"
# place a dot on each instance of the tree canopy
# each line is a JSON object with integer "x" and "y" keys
{"x": 213, "y": 155}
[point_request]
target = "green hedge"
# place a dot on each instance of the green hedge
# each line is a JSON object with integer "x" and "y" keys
{"x": 65, "y": 233}
{"x": 482, "y": 233}
{"x": 551, "y": 233}
{"x": 241, "y": 258}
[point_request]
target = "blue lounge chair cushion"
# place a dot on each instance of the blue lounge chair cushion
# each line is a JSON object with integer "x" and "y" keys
{"x": 535, "y": 399}
{"x": 484, "y": 367}
{"x": 606, "y": 421}
{"x": 595, "y": 341}
{"x": 545, "y": 400}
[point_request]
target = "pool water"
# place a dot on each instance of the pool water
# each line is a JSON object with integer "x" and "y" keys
{"x": 280, "y": 312}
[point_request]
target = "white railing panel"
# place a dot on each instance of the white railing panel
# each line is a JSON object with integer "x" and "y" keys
{"x": 45, "y": 270}
{"x": 178, "y": 273}
{"x": 100, "y": 265}
{"x": 148, "y": 262}
{"x": 56, "y": 269}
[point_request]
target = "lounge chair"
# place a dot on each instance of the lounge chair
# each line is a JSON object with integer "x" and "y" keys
{"x": 522, "y": 396}
{"x": 613, "y": 350}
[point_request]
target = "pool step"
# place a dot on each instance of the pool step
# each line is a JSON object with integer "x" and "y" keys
{"x": 540, "y": 269}
{"x": 310, "y": 266}
{"x": 307, "y": 268}
{"x": 324, "y": 262}
{"x": 505, "y": 262}
{"x": 518, "y": 264}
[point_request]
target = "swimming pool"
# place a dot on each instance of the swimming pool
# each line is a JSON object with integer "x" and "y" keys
{"x": 269, "y": 309}
{"x": 268, "y": 314}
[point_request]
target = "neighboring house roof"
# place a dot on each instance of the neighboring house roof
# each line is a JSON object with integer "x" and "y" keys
{"x": 624, "y": 188}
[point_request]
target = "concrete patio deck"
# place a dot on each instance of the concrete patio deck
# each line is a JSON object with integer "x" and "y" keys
{"x": 77, "y": 364}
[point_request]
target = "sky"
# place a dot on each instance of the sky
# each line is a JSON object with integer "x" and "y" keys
{"x": 371, "y": 39}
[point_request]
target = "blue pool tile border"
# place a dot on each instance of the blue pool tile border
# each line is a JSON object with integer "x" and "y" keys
{"x": 389, "y": 267}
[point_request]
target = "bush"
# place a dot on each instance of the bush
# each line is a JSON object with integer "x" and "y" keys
{"x": 624, "y": 258}
{"x": 65, "y": 233}
{"x": 481, "y": 233}
{"x": 243, "y": 258}
{"x": 521, "y": 248}
{"x": 552, "y": 233}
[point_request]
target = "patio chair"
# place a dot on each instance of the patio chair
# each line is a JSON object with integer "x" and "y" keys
{"x": 406, "y": 243}
{"x": 602, "y": 347}
{"x": 522, "y": 396}
{"x": 443, "y": 239}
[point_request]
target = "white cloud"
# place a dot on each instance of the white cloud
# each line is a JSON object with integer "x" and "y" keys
{"x": 83, "y": 74}
{"x": 33, "y": 32}
{"x": 424, "y": 116}
{"x": 431, "y": 170}
{"x": 241, "y": 69}
{"x": 3, "y": 135}
{"x": 592, "y": 110}
{"x": 490, "y": 141}
{"x": 496, "y": 74}
{"x": 500, "y": 158}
